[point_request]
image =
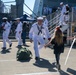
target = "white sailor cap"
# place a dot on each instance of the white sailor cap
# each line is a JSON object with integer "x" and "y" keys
{"x": 24, "y": 21}
{"x": 67, "y": 5}
{"x": 4, "y": 18}
{"x": 61, "y": 3}
{"x": 17, "y": 19}
{"x": 40, "y": 18}
{"x": 44, "y": 16}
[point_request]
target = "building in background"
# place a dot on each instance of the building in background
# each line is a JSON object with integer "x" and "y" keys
{"x": 38, "y": 8}
{"x": 13, "y": 11}
{"x": 19, "y": 7}
{"x": 45, "y": 7}
{"x": 1, "y": 7}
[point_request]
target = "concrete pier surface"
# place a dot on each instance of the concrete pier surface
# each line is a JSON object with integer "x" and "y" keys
{"x": 46, "y": 66}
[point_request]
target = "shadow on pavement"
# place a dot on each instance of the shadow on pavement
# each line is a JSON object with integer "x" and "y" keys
{"x": 23, "y": 61}
{"x": 4, "y": 51}
{"x": 73, "y": 72}
{"x": 63, "y": 73}
{"x": 19, "y": 47}
{"x": 26, "y": 45}
{"x": 43, "y": 63}
{"x": 74, "y": 46}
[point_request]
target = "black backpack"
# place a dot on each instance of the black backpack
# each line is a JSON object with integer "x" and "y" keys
{"x": 24, "y": 54}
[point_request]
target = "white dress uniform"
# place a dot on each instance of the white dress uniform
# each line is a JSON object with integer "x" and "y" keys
{"x": 66, "y": 17}
{"x": 62, "y": 15}
{"x": 18, "y": 35}
{"x": 45, "y": 22}
{"x": 6, "y": 27}
{"x": 37, "y": 33}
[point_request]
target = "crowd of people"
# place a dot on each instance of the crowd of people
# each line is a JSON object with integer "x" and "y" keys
{"x": 38, "y": 34}
{"x": 64, "y": 10}
{"x": 17, "y": 28}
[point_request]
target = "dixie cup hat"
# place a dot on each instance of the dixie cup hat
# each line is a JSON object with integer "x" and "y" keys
{"x": 40, "y": 18}
{"x": 44, "y": 16}
{"x": 61, "y": 3}
{"x": 17, "y": 19}
{"x": 4, "y": 18}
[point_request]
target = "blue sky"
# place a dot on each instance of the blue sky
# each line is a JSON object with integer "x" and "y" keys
{"x": 30, "y": 3}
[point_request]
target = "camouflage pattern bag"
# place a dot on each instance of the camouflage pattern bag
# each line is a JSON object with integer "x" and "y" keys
{"x": 24, "y": 54}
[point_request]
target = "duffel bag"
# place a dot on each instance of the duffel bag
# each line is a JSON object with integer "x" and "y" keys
{"x": 24, "y": 54}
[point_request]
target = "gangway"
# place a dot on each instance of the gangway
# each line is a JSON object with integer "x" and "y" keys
{"x": 54, "y": 22}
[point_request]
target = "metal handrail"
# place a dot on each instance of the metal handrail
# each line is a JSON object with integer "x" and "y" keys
{"x": 54, "y": 21}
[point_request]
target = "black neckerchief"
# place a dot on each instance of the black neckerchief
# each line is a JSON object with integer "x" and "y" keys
{"x": 40, "y": 29}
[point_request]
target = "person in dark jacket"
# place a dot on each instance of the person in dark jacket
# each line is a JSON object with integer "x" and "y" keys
{"x": 24, "y": 33}
{"x": 58, "y": 43}
{"x": 67, "y": 8}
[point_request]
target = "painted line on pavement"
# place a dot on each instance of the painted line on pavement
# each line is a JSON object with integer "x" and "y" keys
{"x": 42, "y": 73}
{"x": 7, "y": 60}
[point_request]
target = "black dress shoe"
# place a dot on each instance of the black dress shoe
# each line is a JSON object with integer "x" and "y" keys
{"x": 19, "y": 46}
{"x": 59, "y": 67}
{"x": 4, "y": 48}
{"x": 36, "y": 58}
{"x": 24, "y": 44}
{"x": 10, "y": 45}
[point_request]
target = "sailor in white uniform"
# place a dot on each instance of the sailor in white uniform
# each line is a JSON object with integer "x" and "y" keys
{"x": 66, "y": 18}
{"x": 45, "y": 21}
{"x": 6, "y": 26}
{"x": 36, "y": 34}
{"x": 63, "y": 10}
{"x": 18, "y": 32}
